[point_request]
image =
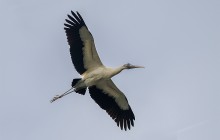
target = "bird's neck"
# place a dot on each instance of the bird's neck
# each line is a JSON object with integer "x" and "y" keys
{"x": 115, "y": 71}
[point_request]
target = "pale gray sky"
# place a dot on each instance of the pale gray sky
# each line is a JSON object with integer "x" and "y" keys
{"x": 175, "y": 98}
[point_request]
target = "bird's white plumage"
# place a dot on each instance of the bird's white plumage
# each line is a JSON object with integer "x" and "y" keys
{"x": 90, "y": 55}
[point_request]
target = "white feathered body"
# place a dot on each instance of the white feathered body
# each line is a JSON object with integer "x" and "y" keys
{"x": 99, "y": 74}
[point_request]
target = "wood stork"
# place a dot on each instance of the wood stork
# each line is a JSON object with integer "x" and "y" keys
{"x": 94, "y": 75}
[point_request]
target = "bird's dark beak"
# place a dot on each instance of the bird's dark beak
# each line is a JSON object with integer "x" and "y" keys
{"x": 135, "y": 66}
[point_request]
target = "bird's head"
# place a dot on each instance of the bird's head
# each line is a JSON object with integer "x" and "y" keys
{"x": 130, "y": 66}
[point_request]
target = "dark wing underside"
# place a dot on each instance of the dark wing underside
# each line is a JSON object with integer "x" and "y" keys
{"x": 82, "y": 48}
{"x": 74, "y": 40}
{"x": 123, "y": 118}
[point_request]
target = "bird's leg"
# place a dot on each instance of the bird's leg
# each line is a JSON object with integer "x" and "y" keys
{"x": 60, "y": 96}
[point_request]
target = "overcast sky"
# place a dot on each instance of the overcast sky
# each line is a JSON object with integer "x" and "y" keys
{"x": 176, "y": 97}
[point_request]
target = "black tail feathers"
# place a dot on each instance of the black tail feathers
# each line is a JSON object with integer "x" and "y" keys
{"x": 80, "y": 91}
{"x": 75, "y": 81}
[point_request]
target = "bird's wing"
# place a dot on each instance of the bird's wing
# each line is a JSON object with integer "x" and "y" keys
{"x": 111, "y": 99}
{"x": 82, "y": 48}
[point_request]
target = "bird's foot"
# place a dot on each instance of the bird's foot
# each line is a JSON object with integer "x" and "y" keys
{"x": 56, "y": 97}
{"x": 60, "y": 96}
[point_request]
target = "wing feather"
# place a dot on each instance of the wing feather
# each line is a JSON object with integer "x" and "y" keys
{"x": 82, "y": 48}
{"x": 111, "y": 99}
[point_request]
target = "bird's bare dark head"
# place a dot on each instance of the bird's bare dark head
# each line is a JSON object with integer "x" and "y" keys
{"x": 130, "y": 66}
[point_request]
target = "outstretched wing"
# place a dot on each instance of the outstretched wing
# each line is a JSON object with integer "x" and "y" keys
{"x": 111, "y": 99}
{"x": 82, "y": 48}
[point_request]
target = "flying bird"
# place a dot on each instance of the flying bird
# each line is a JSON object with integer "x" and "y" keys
{"x": 94, "y": 75}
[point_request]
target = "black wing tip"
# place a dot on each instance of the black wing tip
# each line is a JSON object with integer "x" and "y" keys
{"x": 73, "y": 13}
{"x": 124, "y": 119}
{"x": 125, "y": 124}
{"x": 74, "y": 20}
{"x": 128, "y": 118}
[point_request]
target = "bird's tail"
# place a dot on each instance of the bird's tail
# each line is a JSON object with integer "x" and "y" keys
{"x": 81, "y": 90}
{"x": 75, "y": 81}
